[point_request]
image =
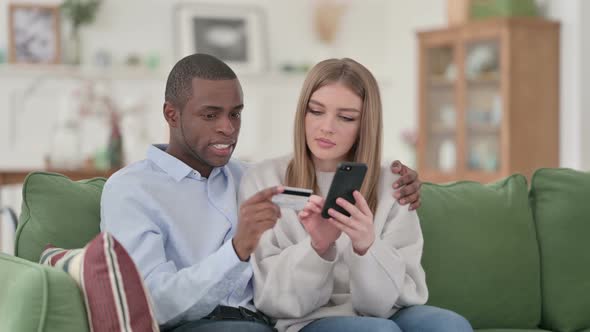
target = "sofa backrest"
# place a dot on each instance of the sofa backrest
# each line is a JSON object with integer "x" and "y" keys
{"x": 59, "y": 211}
{"x": 560, "y": 199}
{"x": 481, "y": 253}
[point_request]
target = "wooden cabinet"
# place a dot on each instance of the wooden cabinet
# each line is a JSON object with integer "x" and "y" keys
{"x": 488, "y": 99}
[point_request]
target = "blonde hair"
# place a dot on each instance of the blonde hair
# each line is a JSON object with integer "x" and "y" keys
{"x": 366, "y": 149}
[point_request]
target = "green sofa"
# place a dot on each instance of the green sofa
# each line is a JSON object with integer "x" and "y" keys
{"x": 507, "y": 257}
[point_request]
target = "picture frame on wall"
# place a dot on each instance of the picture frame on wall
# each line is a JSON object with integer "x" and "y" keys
{"x": 234, "y": 34}
{"x": 34, "y": 34}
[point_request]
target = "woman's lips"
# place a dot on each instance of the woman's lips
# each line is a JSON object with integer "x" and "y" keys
{"x": 325, "y": 143}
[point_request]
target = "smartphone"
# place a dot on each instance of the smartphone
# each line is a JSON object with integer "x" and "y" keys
{"x": 348, "y": 178}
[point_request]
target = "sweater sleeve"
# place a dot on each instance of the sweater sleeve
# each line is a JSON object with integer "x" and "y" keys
{"x": 290, "y": 278}
{"x": 391, "y": 266}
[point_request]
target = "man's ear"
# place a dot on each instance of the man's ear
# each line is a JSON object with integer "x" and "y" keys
{"x": 171, "y": 114}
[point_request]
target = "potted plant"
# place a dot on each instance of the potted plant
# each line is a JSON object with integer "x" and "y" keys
{"x": 79, "y": 13}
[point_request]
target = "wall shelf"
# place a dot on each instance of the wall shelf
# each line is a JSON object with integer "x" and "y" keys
{"x": 78, "y": 72}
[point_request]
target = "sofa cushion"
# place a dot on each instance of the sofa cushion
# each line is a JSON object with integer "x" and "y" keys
{"x": 115, "y": 297}
{"x": 480, "y": 252}
{"x": 38, "y": 298}
{"x": 561, "y": 207}
{"x": 57, "y": 210}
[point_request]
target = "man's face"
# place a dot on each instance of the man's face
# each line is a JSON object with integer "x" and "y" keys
{"x": 209, "y": 123}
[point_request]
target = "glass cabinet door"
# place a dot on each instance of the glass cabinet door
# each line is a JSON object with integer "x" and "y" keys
{"x": 483, "y": 106}
{"x": 441, "y": 112}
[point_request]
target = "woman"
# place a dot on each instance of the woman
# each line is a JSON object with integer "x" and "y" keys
{"x": 352, "y": 273}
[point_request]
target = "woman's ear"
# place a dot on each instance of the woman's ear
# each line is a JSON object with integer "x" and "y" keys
{"x": 171, "y": 114}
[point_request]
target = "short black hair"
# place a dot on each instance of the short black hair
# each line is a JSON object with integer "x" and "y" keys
{"x": 198, "y": 65}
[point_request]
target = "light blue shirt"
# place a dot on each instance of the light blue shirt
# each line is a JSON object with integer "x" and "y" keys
{"x": 177, "y": 226}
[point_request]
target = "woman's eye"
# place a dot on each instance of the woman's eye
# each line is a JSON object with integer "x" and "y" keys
{"x": 314, "y": 112}
{"x": 347, "y": 119}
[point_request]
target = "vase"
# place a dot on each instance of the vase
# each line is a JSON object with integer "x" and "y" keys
{"x": 73, "y": 48}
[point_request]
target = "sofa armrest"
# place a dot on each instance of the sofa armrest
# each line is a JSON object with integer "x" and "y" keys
{"x": 38, "y": 298}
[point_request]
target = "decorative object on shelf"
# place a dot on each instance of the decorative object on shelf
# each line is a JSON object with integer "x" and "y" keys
{"x": 103, "y": 59}
{"x": 440, "y": 64}
{"x": 79, "y": 13}
{"x": 496, "y": 117}
{"x": 458, "y": 11}
{"x": 115, "y": 143}
{"x": 326, "y": 18}
{"x": 447, "y": 156}
{"x": 482, "y": 59}
{"x": 295, "y": 68}
{"x": 543, "y": 7}
{"x": 235, "y": 34}
{"x": 34, "y": 33}
{"x": 483, "y": 155}
{"x": 152, "y": 61}
{"x": 477, "y": 117}
{"x": 65, "y": 145}
{"x": 451, "y": 72}
{"x": 481, "y": 9}
{"x": 447, "y": 116}
{"x": 133, "y": 60}
{"x": 90, "y": 127}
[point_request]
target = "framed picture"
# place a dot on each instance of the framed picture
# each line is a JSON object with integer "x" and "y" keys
{"x": 33, "y": 33}
{"x": 235, "y": 34}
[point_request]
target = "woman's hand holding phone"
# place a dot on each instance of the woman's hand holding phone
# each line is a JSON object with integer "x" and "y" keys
{"x": 359, "y": 226}
{"x": 323, "y": 234}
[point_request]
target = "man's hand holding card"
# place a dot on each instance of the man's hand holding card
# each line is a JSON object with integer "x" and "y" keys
{"x": 292, "y": 198}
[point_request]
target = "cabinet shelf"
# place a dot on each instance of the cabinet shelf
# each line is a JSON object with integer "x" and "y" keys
{"x": 483, "y": 129}
{"x": 485, "y": 80}
{"x": 441, "y": 82}
{"x": 441, "y": 129}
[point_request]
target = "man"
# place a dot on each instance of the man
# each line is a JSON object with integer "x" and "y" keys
{"x": 176, "y": 211}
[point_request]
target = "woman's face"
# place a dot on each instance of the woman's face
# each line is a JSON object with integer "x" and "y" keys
{"x": 332, "y": 124}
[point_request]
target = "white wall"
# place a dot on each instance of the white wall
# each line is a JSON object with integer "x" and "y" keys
{"x": 585, "y": 87}
{"x": 575, "y": 81}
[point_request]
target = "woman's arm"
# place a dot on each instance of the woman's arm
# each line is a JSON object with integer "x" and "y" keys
{"x": 290, "y": 279}
{"x": 390, "y": 266}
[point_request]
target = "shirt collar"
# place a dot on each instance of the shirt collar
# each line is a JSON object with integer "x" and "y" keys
{"x": 170, "y": 164}
{"x": 174, "y": 167}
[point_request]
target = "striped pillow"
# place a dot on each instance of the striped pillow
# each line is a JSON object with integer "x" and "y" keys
{"x": 115, "y": 297}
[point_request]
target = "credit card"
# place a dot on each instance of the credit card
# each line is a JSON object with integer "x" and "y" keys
{"x": 292, "y": 198}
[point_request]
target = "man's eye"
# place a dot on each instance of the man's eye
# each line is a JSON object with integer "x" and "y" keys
{"x": 210, "y": 116}
{"x": 237, "y": 115}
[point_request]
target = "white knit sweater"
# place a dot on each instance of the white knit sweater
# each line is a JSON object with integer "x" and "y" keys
{"x": 295, "y": 285}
